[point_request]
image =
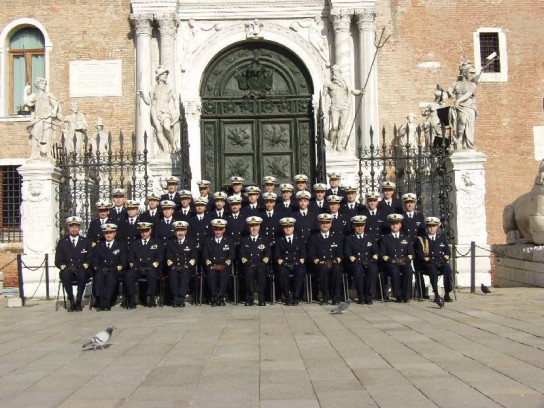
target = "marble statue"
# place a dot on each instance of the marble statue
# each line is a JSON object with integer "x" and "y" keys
{"x": 523, "y": 220}
{"x": 339, "y": 92}
{"x": 164, "y": 110}
{"x": 464, "y": 112}
{"x": 193, "y": 34}
{"x": 45, "y": 108}
{"x": 432, "y": 125}
{"x": 317, "y": 35}
{"x": 254, "y": 29}
{"x": 75, "y": 130}
{"x": 100, "y": 143}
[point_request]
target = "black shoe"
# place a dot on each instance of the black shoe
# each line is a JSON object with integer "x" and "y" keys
{"x": 334, "y": 302}
{"x": 447, "y": 298}
{"x": 426, "y": 297}
{"x": 213, "y": 303}
{"x": 182, "y": 304}
{"x": 151, "y": 301}
{"x": 295, "y": 302}
{"x": 398, "y": 299}
{"x": 361, "y": 302}
{"x": 368, "y": 301}
{"x": 222, "y": 302}
{"x": 262, "y": 303}
{"x": 249, "y": 303}
{"x": 324, "y": 301}
{"x": 79, "y": 307}
{"x": 405, "y": 300}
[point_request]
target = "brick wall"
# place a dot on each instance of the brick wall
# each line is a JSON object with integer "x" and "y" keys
{"x": 8, "y": 265}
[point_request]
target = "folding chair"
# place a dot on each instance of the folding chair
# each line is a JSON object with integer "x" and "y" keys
{"x": 74, "y": 283}
{"x": 235, "y": 277}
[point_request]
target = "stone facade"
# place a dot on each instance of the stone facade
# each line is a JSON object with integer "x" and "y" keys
{"x": 428, "y": 40}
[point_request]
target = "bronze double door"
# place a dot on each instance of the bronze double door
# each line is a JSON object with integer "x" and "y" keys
{"x": 257, "y": 117}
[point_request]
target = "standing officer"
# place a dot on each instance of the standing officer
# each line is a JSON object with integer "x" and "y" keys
{"x": 432, "y": 257}
{"x": 413, "y": 223}
{"x": 204, "y": 192}
{"x": 181, "y": 257}
{"x": 109, "y": 259}
{"x": 306, "y": 217}
{"x": 118, "y": 211}
{"x": 389, "y": 204}
{"x": 325, "y": 250}
{"x": 152, "y": 215}
{"x": 73, "y": 257}
{"x": 286, "y": 206}
{"x": 340, "y": 222}
{"x": 164, "y": 229}
{"x": 185, "y": 211}
{"x": 270, "y": 226}
{"x": 301, "y": 182}
{"x": 255, "y": 254}
{"x": 269, "y": 185}
{"x": 376, "y": 221}
{"x": 199, "y": 224}
{"x": 144, "y": 258}
{"x": 252, "y": 206}
{"x": 361, "y": 254}
{"x": 218, "y": 255}
{"x": 220, "y": 200}
{"x": 397, "y": 252}
{"x": 334, "y": 186}
{"x": 172, "y": 194}
{"x": 350, "y": 207}
{"x": 95, "y": 232}
{"x": 128, "y": 228}
{"x": 318, "y": 201}
{"x": 289, "y": 256}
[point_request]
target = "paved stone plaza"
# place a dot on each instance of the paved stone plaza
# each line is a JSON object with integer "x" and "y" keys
{"x": 481, "y": 351}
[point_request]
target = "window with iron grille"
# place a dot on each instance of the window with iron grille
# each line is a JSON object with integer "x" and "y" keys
{"x": 10, "y": 222}
{"x": 489, "y": 44}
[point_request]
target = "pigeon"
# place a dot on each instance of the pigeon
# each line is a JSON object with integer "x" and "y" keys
{"x": 439, "y": 300}
{"x": 485, "y": 289}
{"x": 342, "y": 307}
{"x": 100, "y": 340}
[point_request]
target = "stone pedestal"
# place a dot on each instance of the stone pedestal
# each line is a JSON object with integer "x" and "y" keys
{"x": 158, "y": 169}
{"x": 519, "y": 265}
{"x": 39, "y": 213}
{"x": 467, "y": 198}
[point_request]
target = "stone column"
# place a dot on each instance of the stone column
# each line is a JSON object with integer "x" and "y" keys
{"x": 168, "y": 24}
{"x": 39, "y": 208}
{"x": 341, "y": 22}
{"x": 469, "y": 222}
{"x": 193, "y": 112}
{"x": 141, "y": 24}
{"x": 369, "y": 104}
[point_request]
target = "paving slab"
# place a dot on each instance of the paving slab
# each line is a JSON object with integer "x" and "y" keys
{"x": 480, "y": 351}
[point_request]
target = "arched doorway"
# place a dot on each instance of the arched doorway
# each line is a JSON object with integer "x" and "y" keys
{"x": 257, "y": 117}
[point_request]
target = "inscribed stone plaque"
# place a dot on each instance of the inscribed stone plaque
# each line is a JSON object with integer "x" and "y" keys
{"x": 96, "y": 78}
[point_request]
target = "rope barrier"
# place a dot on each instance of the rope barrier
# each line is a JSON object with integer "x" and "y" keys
{"x": 33, "y": 269}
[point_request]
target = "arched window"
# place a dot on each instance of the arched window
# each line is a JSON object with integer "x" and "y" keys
{"x": 26, "y": 63}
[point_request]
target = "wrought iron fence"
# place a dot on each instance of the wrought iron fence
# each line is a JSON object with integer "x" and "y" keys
{"x": 416, "y": 166}
{"x": 92, "y": 174}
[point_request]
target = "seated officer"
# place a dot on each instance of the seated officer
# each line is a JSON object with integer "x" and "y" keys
{"x": 95, "y": 233}
{"x": 255, "y": 254}
{"x": 289, "y": 256}
{"x": 108, "y": 261}
{"x": 218, "y": 255}
{"x": 361, "y": 254}
{"x": 325, "y": 251}
{"x": 73, "y": 257}
{"x": 144, "y": 259}
{"x": 181, "y": 257}
{"x": 397, "y": 252}
{"x": 432, "y": 257}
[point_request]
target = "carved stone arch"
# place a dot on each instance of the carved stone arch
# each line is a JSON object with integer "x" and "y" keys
{"x": 257, "y": 115}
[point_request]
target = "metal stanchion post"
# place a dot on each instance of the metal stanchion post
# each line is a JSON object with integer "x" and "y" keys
{"x": 472, "y": 267}
{"x": 47, "y": 277}
{"x": 20, "y": 278}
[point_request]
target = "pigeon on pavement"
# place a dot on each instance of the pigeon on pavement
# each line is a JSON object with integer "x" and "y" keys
{"x": 485, "y": 289}
{"x": 439, "y": 300}
{"x": 342, "y": 307}
{"x": 99, "y": 340}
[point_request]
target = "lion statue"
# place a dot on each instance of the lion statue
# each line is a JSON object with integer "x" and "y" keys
{"x": 523, "y": 220}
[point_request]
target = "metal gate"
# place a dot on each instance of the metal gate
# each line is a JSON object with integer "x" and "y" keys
{"x": 416, "y": 166}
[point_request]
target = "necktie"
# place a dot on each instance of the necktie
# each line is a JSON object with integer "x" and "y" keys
{"x": 185, "y": 212}
{"x": 289, "y": 240}
{"x": 409, "y": 215}
{"x": 304, "y": 214}
{"x": 167, "y": 222}
{"x": 326, "y": 236}
{"x": 270, "y": 215}
{"x": 335, "y": 216}
{"x": 145, "y": 242}
{"x": 432, "y": 238}
{"x": 74, "y": 242}
{"x": 108, "y": 245}
{"x": 389, "y": 203}
{"x": 373, "y": 213}
{"x": 360, "y": 236}
{"x": 218, "y": 240}
{"x": 102, "y": 221}
{"x": 235, "y": 216}
{"x": 180, "y": 242}
{"x": 286, "y": 205}
{"x": 351, "y": 206}
{"x": 199, "y": 218}
{"x": 132, "y": 221}
{"x": 152, "y": 213}
{"x": 171, "y": 197}
{"x": 254, "y": 239}
{"x": 118, "y": 211}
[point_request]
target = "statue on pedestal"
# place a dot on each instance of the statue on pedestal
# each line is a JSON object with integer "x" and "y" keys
{"x": 99, "y": 143}
{"x": 75, "y": 129}
{"x": 339, "y": 93}
{"x": 44, "y": 109}
{"x": 164, "y": 110}
{"x": 464, "y": 112}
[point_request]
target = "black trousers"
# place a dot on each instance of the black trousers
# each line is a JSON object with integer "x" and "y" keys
{"x": 255, "y": 277}
{"x": 150, "y": 275}
{"x": 105, "y": 282}
{"x": 299, "y": 274}
{"x": 330, "y": 280}
{"x": 179, "y": 282}
{"x": 433, "y": 271}
{"x": 401, "y": 279}
{"x": 218, "y": 282}
{"x": 364, "y": 279}
{"x": 68, "y": 276}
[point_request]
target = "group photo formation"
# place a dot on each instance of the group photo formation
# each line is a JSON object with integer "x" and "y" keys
{"x": 304, "y": 243}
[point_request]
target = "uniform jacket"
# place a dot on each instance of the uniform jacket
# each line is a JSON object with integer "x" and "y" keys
{"x": 396, "y": 250}
{"x": 415, "y": 226}
{"x": 290, "y": 253}
{"x": 255, "y": 252}
{"x": 73, "y": 257}
{"x": 365, "y": 249}
{"x": 308, "y": 225}
{"x": 200, "y": 229}
{"x": 326, "y": 250}
{"x": 395, "y": 208}
{"x": 141, "y": 256}
{"x": 109, "y": 258}
{"x": 376, "y": 225}
{"x": 94, "y": 233}
{"x": 181, "y": 255}
{"x": 218, "y": 254}
{"x": 426, "y": 250}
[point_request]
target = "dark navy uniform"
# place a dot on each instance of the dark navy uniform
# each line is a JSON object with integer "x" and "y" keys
{"x": 327, "y": 254}
{"x": 432, "y": 259}
{"x": 128, "y": 231}
{"x": 185, "y": 214}
{"x": 306, "y": 225}
{"x": 397, "y": 254}
{"x": 286, "y": 209}
{"x": 393, "y": 207}
{"x": 164, "y": 229}
{"x": 175, "y": 197}
{"x": 236, "y": 227}
{"x": 255, "y": 255}
{"x": 73, "y": 262}
{"x": 270, "y": 226}
{"x": 290, "y": 255}
{"x": 94, "y": 232}
{"x": 181, "y": 258}
{"x": 199, "y": 229}
{"x": 340, "y": 224}
{"x": 145, "y": 262}
{"x": 108, "y": 262}
{"x": 251, "y": 210}
{"x": 361, "y": 254}
{"x": 413, "y": 226}
{"x": 218, "y": 258}
{"x": 149, "y": 216}
{"x": 376, "y": 225}
{"x": 319, "y": 206}
{"x": 117, "y": 215}
{"x": 351, "y": 209}
{"x": 341, "y": 192}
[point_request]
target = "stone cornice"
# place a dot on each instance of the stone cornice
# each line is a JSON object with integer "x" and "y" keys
{"x": 365, "y": 18}
{"x": 167, "y": 23}
{"x": 341, "y": 19}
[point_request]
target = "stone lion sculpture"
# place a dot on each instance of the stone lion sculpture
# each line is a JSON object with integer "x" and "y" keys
{"x": 523, "y": 220}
